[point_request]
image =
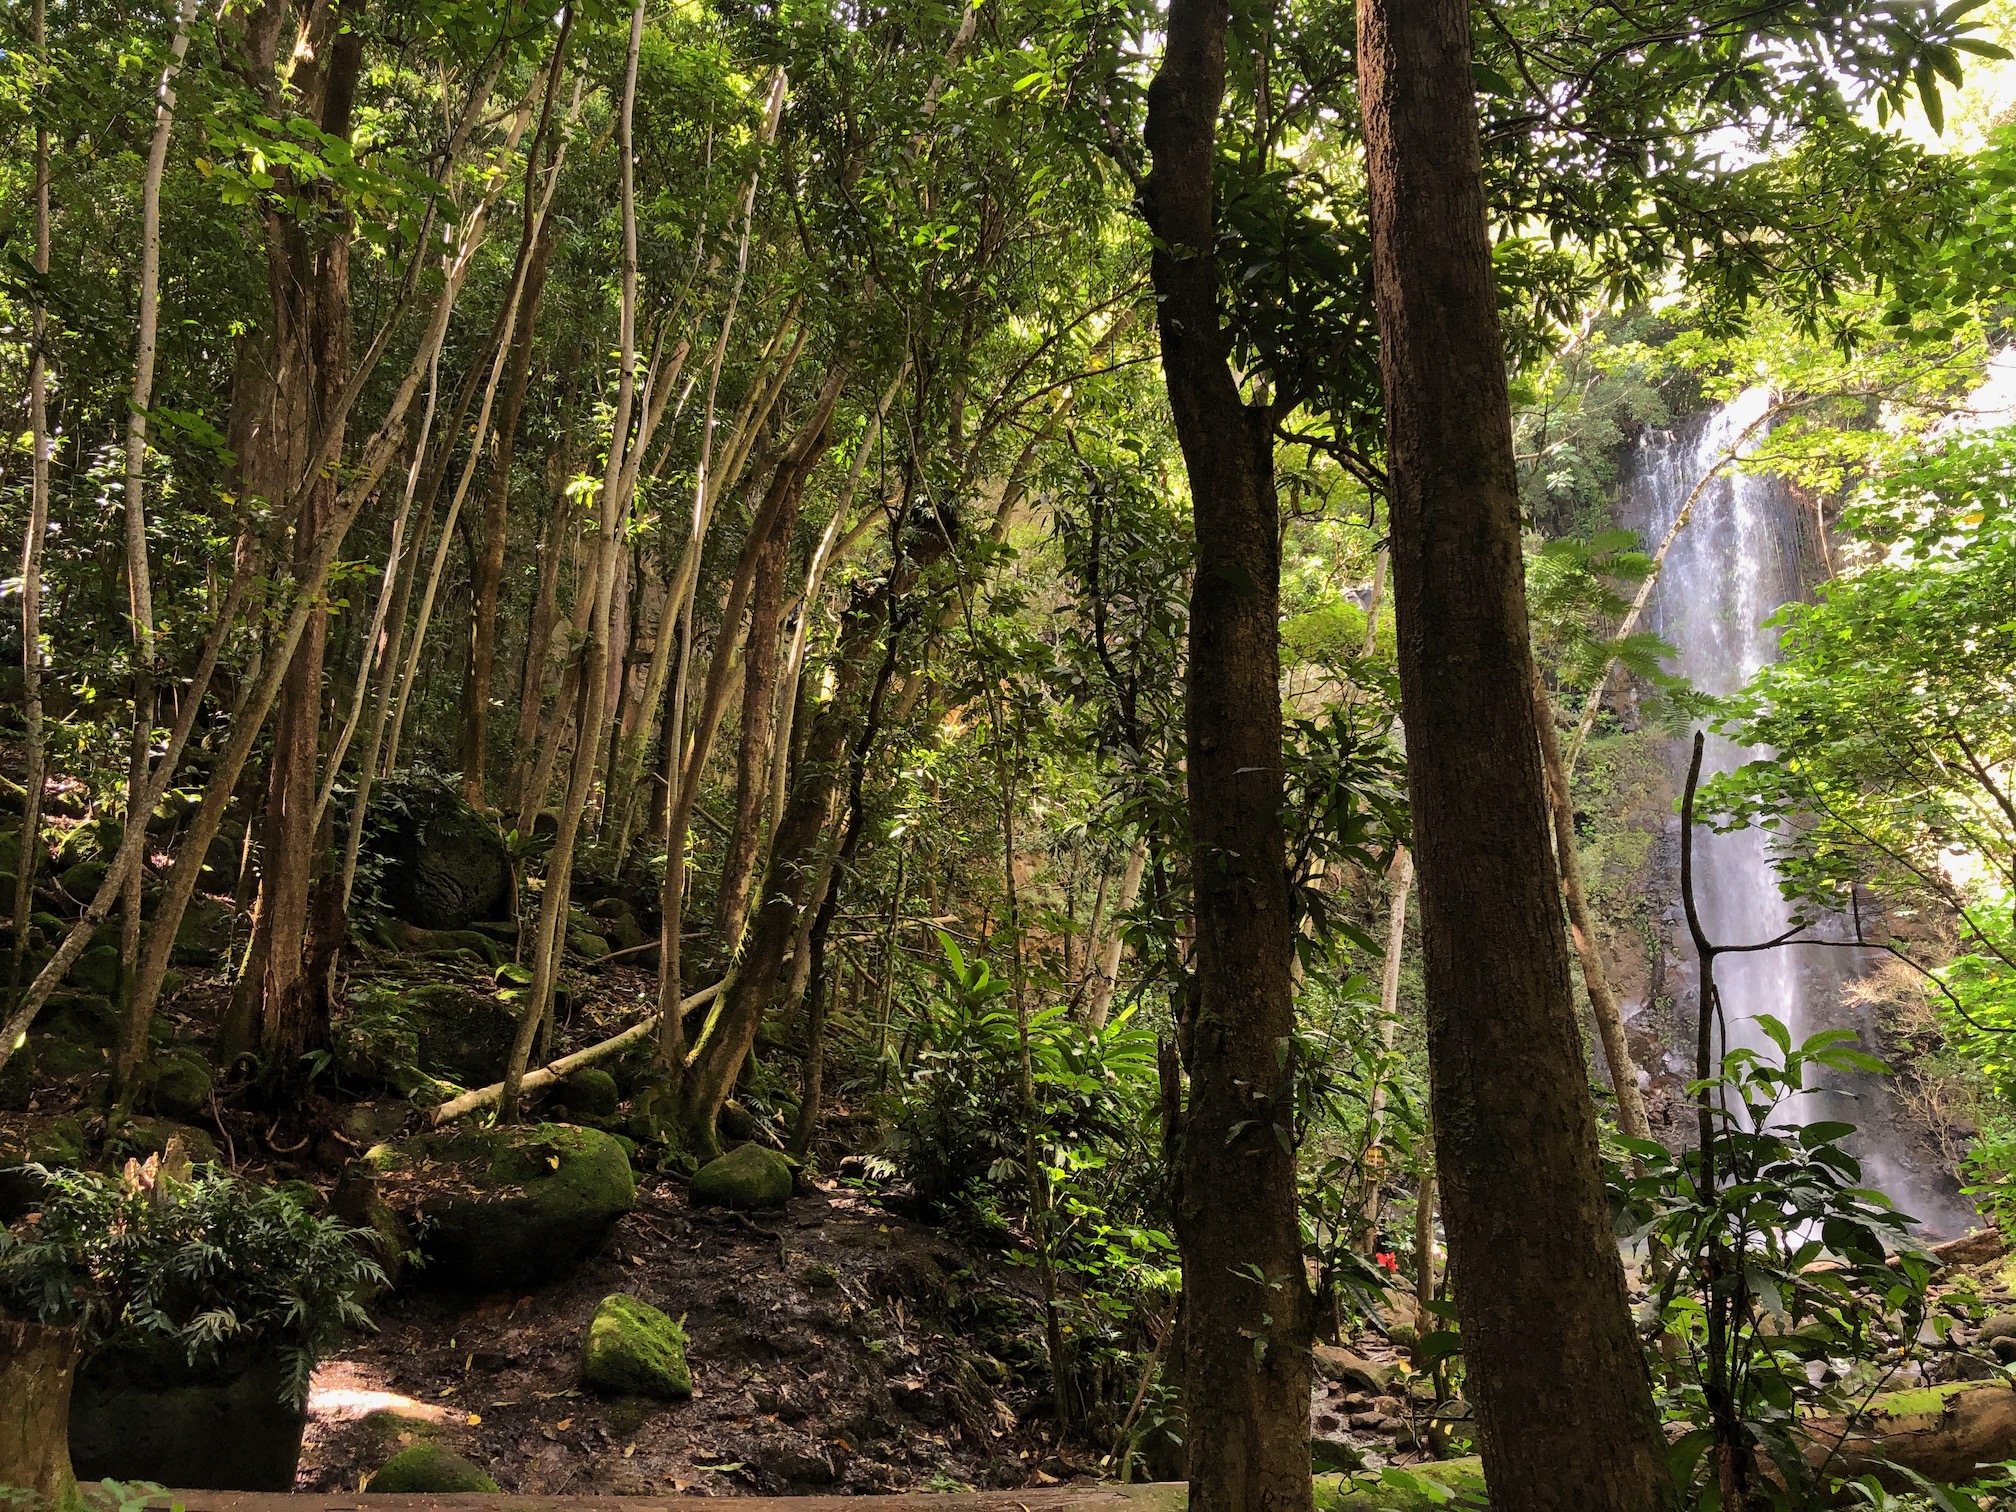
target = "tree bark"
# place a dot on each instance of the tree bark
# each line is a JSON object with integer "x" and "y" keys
{"x": 38, "y": 1366}
{"x": 1540, "y": 1290}
{"x": 1248, "y": 1311}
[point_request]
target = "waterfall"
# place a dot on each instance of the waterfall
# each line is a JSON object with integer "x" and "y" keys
{"x": 1743, "y": 553}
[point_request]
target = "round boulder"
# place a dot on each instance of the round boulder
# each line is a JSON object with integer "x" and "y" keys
{"x": 504, "y": 1208}
{"x": 747, "y": 1177}
{"x": 430, "y": 1470}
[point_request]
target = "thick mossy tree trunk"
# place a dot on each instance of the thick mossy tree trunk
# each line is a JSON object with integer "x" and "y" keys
{"x": 1564, "y": 1408}
{"x": 38, "y": 1366}
{"x": 1246, "y": 1299}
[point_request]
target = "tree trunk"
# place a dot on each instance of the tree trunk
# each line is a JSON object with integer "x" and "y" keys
{"x": 139, "y": 581}
{"x": 1103, "y": 985}
{"x": 38, "y": 1366}
{"x": 759, "y": 722}
{"x": 1402, "y": 878}
{"x": 587, "y": 745}
{"x": 795, "y": 856}
{"x": 1582, "y": 928}
{"x": 33, "y": 777}
{"x": 1540, "y": 1287}
{"x": 1248, "y": 1312}
{"x": 310, "y": 277}
{"x": 487, "y": 580}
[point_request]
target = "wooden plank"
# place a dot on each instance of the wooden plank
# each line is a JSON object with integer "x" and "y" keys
{"x": 1161, "y": 1497}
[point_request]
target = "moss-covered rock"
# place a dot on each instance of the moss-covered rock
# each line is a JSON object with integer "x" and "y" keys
{"x": 204, "y": 933}
{"x": 498, "y": 1208}
{"x": 633, "y": 1349}
{"x": 590, "y": 1095}
{"x": 428, "y": 1469}
{"x": 748, "y": 1176}
{"x": 138, "y": 1138}
{"x": 445, "y": 864}
{"x": 461, "y": 1035}
{"x": 83, "y": 880}
{"x": 178, "y": 1085}
{"x": 587, "y": 944}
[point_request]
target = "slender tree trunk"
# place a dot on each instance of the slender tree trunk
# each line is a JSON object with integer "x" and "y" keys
{"x": 1541, "y": 1291}
{"x": 1603, "y": 1005}
{"x": 752, "y": 752}
{"x": 33, "y": 776}
{"x": 780, "y": 505}
{"x": 560, "y": 865}
{"x": 555, "y": 538}
{"x": 1248, "y": 1312}
{"x": 1402, "y": 877}
{"x": 488, "y": 578}
{"x": 139, "y": 581}
{"x": 1108, "y": 978}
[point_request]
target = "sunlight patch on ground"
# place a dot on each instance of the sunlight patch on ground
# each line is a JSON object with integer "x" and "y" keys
{"x": 344, "y": 1391}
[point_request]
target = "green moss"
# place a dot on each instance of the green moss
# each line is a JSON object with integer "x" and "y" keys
{"x": 633, "y": 1349}
{"x": 748, "y": 1176}
{"x": 1923, "y": 1400}
{"x": 1364, "y": 1492}
{"x": 428, "y": 1469}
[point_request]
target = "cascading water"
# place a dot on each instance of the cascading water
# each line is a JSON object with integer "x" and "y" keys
{"x": 1745, "y": 551}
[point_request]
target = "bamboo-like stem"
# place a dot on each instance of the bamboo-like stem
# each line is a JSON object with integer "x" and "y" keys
{"x": 1401, "y": 878}
{"x": 139, "y": 580}
{"x": 559, "y": 870}
{"x": 34, "y": 777}
{"x": 1108, "y": 976}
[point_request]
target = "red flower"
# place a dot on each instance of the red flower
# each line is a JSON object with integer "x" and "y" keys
{"x": 1388, "y": 1260}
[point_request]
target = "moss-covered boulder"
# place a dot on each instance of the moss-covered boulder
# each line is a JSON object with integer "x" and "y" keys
{"x": 461, "y": 1035}
{"x": 748, "y": 1176}
{"x": 429, "y": 1470}
{"x": 633, "y": 1349}
{"x": 501, "y": 1208}
{"x": 204, "y": 933}
{"x": 445, "y": 864}
{"x": 590, "y": 1095}
{"x": 178, "y": 1084}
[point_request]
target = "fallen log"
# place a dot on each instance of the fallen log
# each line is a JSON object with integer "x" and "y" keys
{"x": 1942, "y": 1432}
{"x": 559, "y": 1070}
